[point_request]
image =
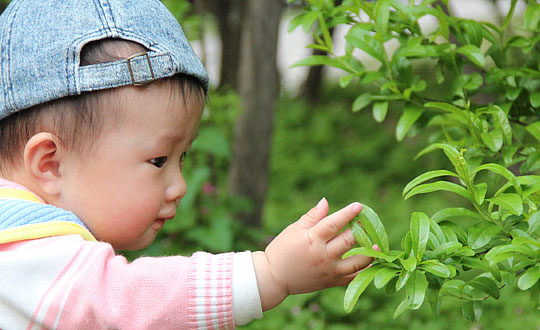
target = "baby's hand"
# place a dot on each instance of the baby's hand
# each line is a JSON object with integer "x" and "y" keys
{"x": 306, "y": 256}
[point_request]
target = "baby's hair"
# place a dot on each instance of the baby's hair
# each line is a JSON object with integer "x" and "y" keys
{"x": 78, "y": 120}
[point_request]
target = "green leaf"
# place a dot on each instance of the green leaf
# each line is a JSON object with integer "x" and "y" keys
{"x": 409, "y": 263}
{"x": 358, "y": 286}
{"x": 454, "y": 212}
{"x": 439, "y": 186}
{"x": 534, "y": 222}
{"x": 361, "y": 102}
{"x": 486, "y": 285}
{"x": 534, "y": 129}
{"x": 435, "y": 267}
{"x": 500, "y": 253}
{"x": 380, "y": 109}
{"x": 531, "y": 18}
{"x": 416, "y": 289}
{"x": 314, "y": 60}
{"x": 502, "y": 171}
{"x": 361, "y": 39}
{"x": 451, "y": 152}
{"x": 368, "y": 252}
{"x": 403, "y": 306}
{"x": 510, "y": 202}
{"x": 529, "y": 278}
{"x": 384, "y": 275}
{"x": 493, "y": 140}
{"x": 481, "y": 234}
{"x": 375, "y": 228}
{"x": 472, "y": 310}
{"x": 308, "y": 19}
{"x": 535, "y": 99}
{"x": 402, "y": 279}
{"x": 474, "y": 54}
{"x": 452, "y": 288}
{"x": 425, "y": 177}
{"x": 419, "y": 233}
{"x": 360, "y": 235}
{"x": 447, "y": 248}
{"x": 535, "y": 296}
{"x": 382, "y": 12}
{"x": 443, "y": 106}
{"x": 410, "y": 115}
{"x": 479, "y": 192}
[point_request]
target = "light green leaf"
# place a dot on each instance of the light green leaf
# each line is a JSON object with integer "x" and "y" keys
{"x": 402, "y": 279}
{"x": 529, "y": 278}
{"x": 443, "y": 106}
{"x": 500, "y": 253}
{"x": 419, "y": 233}
{"x": 314, "y": 60}
{"x": 410, "y": 115}
{"x": 409, "y": 263}
{"x": 361, "y": 39}
{"x": 486, "y": 285}
{"x": 531, "y": 18}
{"x": 479, "y": 192}
{"x": 534, "y": 129}
{"x": 534, "y": 222}
{"x": 384, "y": 275}
{"x": 435, "y": 267}
{"x": 425, "y": 177}
{"x": 447, "y": 248}
{"x": 382, "y": 12}
{"x": 361, "y": 102}
{"x": 454, "y": 212}
{"x": 452, "y": 288}
{"x": 535, "y": 99}
{"x": 451, "y": 152}
{"x": 502, "y": 171}
{"x": 368, "y": 252}
{"x": 380, "y": 109}
{"x": 474, "y": 54}
{"x": 360, "y": 235}
{"x": 510, "y": 202}
{"x": 439, "y": 186}
{"x": 481, "y": 234}
{"x": 375, "y": 228}
{"x": 493, "y": 140}
{"x": 357, "y": 286}
{"x": 416, "y": 289}
{"x": 403, "y": 306}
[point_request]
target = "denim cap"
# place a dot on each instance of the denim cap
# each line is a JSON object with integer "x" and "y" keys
{"x": 41, "y": 40}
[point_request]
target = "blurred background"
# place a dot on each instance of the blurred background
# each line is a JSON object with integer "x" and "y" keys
{"x": 274, "y": 140}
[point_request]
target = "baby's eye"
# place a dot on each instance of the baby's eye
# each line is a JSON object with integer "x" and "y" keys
{"x": 182, "y": 157}
{"x": 158, "y": 162}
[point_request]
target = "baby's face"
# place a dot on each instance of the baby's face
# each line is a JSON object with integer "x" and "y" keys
{"x": 133, "y": 183}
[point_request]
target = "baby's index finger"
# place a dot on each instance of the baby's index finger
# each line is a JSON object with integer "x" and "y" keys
{"x": 328, "y": 227}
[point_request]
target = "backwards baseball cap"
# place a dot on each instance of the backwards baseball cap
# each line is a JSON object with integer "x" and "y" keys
{"x": 41, "y": 40}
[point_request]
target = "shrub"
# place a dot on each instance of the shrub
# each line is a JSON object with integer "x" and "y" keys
{"x": 486, "y": 124}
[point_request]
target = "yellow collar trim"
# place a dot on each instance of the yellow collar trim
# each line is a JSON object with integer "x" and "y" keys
{"x": 10, "y": 193}
{"x": 39, "y": 230}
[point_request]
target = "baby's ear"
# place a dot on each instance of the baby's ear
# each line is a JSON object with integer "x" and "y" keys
{"x": 42, "y": 159}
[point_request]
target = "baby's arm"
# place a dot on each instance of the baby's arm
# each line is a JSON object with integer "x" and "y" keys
{"x": 306, "y": 256}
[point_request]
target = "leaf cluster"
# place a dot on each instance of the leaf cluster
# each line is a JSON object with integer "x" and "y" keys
{"x": 486, "y": 124}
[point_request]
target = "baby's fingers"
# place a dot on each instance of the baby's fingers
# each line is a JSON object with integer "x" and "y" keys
{"x": 352, "y": 264}
{"x": 328, "y": 227}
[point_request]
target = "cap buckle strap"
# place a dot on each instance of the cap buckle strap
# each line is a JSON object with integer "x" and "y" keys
{"x": 133, "y": 81}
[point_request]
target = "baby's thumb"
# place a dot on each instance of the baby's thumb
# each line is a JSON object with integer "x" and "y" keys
{"x": 316, "y": 214}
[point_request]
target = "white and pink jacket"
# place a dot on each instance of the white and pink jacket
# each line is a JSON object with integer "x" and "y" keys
{"x": 54, "y": 275}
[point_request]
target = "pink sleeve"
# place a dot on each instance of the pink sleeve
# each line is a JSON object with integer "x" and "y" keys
{"x": 98, "y": 289}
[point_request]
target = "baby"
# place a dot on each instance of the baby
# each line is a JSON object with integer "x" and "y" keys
{"x": 100, "y": 102}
